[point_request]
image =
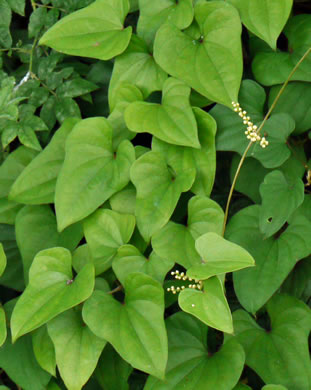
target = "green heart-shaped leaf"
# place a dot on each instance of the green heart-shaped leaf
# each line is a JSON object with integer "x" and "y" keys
{"x": 280, "y": 197}
{"x": 202, "y": 160}
{"x": 190, "y": 365}
{"x": 280, "y": 354}
{"x": 209, "y": 306}
{"x": 44, "y": 350}
{"x": 177, "y": 242}
{"x": 95, "y": 31}
{"x": 172, "y": 121}
{"x": 51, "y": 290}
{"x": 153, "y": 15}
{"x": 129, "y": 259}
{"x": 211, "y": 61}
{"x": 105, "y": 231}
{"x": 263, "y": 18}
{"x": 10, "y": 169}
{"x": 77, "y": 348}
{"x": 159, "y": 187}
{"x": 274, "y": 387}
{"x": 140, "y": 337}
{"x": 138, "y": 67}
{"x": 36, "y": 183}
{"x": 92, "y": 171}
{"x": 218, "y": 256}
{"x": 275, "y": 256}
{"x": 36, "y": 229}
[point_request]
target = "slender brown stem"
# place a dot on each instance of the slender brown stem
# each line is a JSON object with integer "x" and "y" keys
{"x": 119, "y": 288}
{"x": 258, "y": 131}
{"x": 50, "y": 7}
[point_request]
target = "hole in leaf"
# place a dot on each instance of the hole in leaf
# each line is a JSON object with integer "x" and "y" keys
{"x": 270, "y": 219}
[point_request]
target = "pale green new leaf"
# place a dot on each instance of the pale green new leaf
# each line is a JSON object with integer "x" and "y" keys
{"x": 138, "y": 67}
{"x": 281, "y": 354}
{"x": 44, "y": 350}
{"x": 218, "y": 256}
{"x": 3, "y": 260}
{"x": 153, "y": 15}
{"x": 51, "y": 290}
{"x": 159, "y": 187}
{"x": 36, "y": 229}
{"x": 3, "y": 331}
{"x": 105, "y": 232}
{"x": 172, "y": 121}
{"x": 210, "y": 62}
{"x": 264, "y": 18}
{"x": 177, "y": 242}
{"x": 281, "y": 196}
{"x": 209, "y": 305}
{"x": 92, "y": 170}
{"x": 275, "y": 257}
{"x": 36, "y": 183}
{"x": 129, "y": 259}
{"x": 95, "y": 31}
{"x": 190, "y": 365}
{"x": 77, "y": 348}
{"x": 141, "y": 337}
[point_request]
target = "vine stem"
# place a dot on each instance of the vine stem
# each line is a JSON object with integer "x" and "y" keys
{"x": 258, "y": 131}
{"x": 119, "y": 288}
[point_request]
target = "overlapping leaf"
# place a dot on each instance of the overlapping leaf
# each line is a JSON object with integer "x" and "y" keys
{"x": 51, "y": 290}
{"x": 92, "y": 171}
{"x": 141, "y": 337}
{"x": 211, "y": 60}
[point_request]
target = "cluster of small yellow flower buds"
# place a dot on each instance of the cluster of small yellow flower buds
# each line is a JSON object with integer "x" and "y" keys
{"x": 252, "y": 130}
{"x": 182, "y": 276}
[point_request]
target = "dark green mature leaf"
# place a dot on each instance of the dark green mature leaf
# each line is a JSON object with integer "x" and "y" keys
{"x": 271, "y": 68}
{"x": 19, "y": 363}
{"x": 51, "y": 290}
{"x": 66, "y": 108}
{"x": 13, "y": 274}
{"x": 218, "y": 256}
{"x": 137, "y": 66}
{"x": 263, "y": 18}
{"x": 105, "y": 231}
{"x": 153, "y": 15}
{"x": 36, "y": 229}
{"x": 211, "y": 61}
{"x": 17, "y": 6}
{"x": 129, "y": 259}
{"x": 37, "y": 21}
{"x": 5, "y": 21}
{"x": 275, "y": 257}
{"x": 159, "y": 187}
{"x": 301, "y": 113}
{"x": 281, "y": 354}
{"x": 96, "y": 31}
{"x": 172, "y": 121}
{"x": 36, "y": 183}
{"x": 141, "y": 336}
{"x": 77, "y": 348}
{"x": 209, "y": 305}
{"x": 92, "y": 171}
{"x": 177, "y": 242}
{"x": 280, "y": 198}
{"x": 190, "y": 366}
{"x": 75, "y": 87}
{"x": 3, "y": 331}
{"x": 44, "y": 350}
{"x": 11, "y": 168}
{"x": 274, "y": 387}
{"x": 112, "y": 371}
